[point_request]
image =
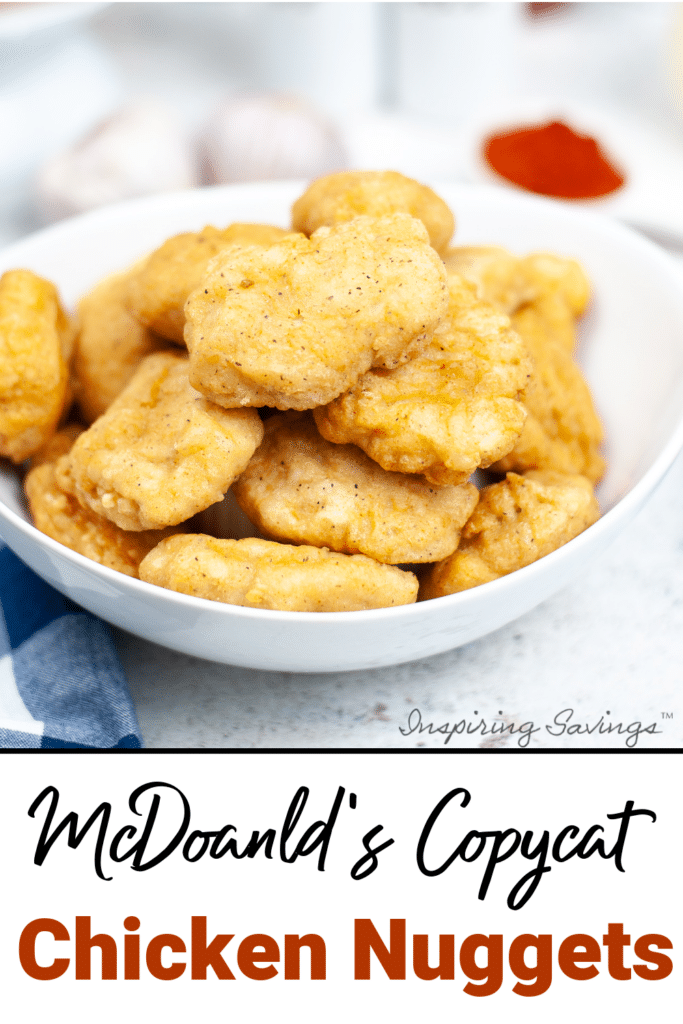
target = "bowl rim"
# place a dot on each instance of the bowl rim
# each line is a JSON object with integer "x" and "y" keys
{"x": 625, "y": 507}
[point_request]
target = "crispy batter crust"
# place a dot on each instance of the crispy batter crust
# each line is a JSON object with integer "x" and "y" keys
{"x": 161, "y": 452}
{"x": 517, "y": 521}
{"x": 549, "y": 274}
{"x": 509, "y": 282}
{"x": 449, "y": 410}
{"x": 341, "y": 197}
{"x": 59, "y": 444}
{"x": 263, "y": 574}
{"x": 493, "y": 271}
{"x": 294, "y": 325}
{"x": 35, "y": 337}
{"x": 305, "y": 490}
{"x": 544, "y": 294}
{"x": 157, "y": 293}
{"x": 562, "y": 431}
{"x": 61, "y": 517}
{"x": 111, "y": 344}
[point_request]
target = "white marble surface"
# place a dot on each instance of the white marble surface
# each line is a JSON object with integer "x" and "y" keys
{"x": 611, "y": 642}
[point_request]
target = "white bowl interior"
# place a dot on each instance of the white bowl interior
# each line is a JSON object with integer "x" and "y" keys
{"x": 631, "y": 353}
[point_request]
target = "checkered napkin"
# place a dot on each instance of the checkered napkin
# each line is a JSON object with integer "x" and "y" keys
{"x": 61, "y": 684}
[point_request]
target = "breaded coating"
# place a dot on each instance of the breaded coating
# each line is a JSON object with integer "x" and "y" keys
{"x": 58, "y": 445}
{"x": 555, "y": 320}
{"x": 294, "y": 325}
{"x": 517, "y": 521}
{"x": 557, "y": 275}
{"x": 161, "y": 452}
{"x": 509, "y": 282}
{"x": 67, "y": 328}
{"x": 305, "y": 490}
{"x": 341, "y": 197}
{"x": 61, "y": 517}
{"x": 35, "y": 336}
{"x": 494, "y": 272}
{"x": 263, "y": 574}
{"x": 448, "y": 411}
{"x": 158, "y": 291}
{"x": 544, "y": 294}
{"x": 111, "y": 344}
{"x": 562, "y": 431}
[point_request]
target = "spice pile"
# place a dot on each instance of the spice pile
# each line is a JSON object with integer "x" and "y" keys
{"x": 553, "y": 160}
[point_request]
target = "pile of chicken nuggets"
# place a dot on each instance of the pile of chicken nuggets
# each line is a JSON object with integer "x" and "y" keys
{"x": 341, "y": 382}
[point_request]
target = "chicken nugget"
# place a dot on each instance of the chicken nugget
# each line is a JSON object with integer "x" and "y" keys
{"x": 61, "y": 517}
{"x": 556, "y": 286}
{"x": 448, "y": 411}
{"x": 305, "y": 490}
{"x": 294, "y": 325}
{"x": 550, "y": 274}
{"x": 263, "y": 574}
{"x": 494, "y": 272}
{"x": 562, "y": 431}
{"x": 58, "y": 445}
{"x": 158, "y": 291}
{"x": 35, "y": 337}
{"x": 111, "y": 344}
{"x": 544, "y": 294}
{"x": 161, "y": 452}
{"x": 341, "y": 197}
{"x": 517, "y": 521}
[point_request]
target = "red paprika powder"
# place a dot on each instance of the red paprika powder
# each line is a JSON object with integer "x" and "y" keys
{"x": 553, "y": 160}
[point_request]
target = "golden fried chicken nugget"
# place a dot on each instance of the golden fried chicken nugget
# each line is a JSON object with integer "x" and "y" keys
{"x": 61, "y": 517}
{"x": 110, "y": 345}
{"x": 563, "y": 431}
{"x": 553, "y": 320}
{"x": 35, "y": 336}
{"x": 295, "y": 324}
{"x": 305, "y": 490}
{"x": 341, "y": 197}
{"x": 161, "y": 452}
{"x": 555, "y": 285}
{"x": 58, "y": 445}
{"x": 158, "y": 291}
{"x": 67, "y": 328}
{"x": 263, "y": 574}
{"x": 517, "y": 521}
{"x": 494, "y": 272}
{"x": 550, "y": 274}
{"x": 544, "y": 294}
{"x": 449, "y": 410}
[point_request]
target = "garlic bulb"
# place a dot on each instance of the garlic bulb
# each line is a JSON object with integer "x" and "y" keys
{"x": 265, "y": 137}
{"x": 137, "y": 151}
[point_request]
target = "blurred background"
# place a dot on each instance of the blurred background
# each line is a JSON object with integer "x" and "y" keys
{"x": 100, "y": 102}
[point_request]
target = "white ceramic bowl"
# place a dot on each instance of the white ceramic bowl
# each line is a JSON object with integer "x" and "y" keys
{"x": 632, "y": 354}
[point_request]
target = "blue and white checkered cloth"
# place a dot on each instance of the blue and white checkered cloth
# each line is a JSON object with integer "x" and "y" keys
{"x": 61, "y": 683}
